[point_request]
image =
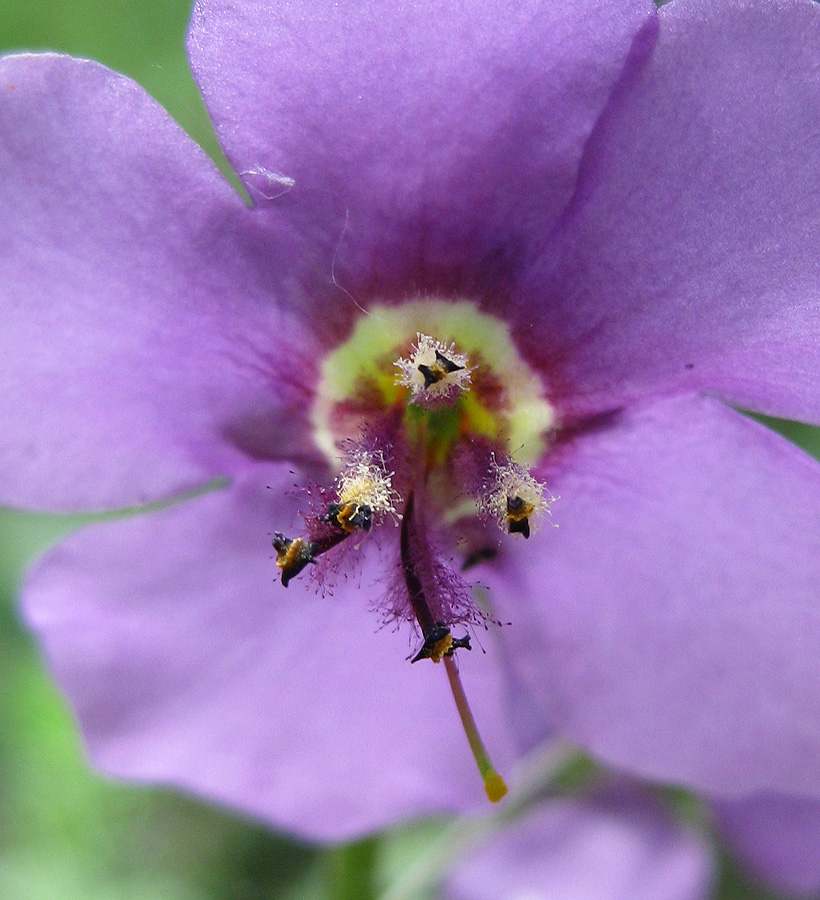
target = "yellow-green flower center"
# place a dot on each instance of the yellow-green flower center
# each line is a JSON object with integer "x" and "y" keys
{"x": 505, "y": 402}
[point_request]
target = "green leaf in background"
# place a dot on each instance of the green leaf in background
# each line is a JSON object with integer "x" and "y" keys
{"x": 145, "y": 40}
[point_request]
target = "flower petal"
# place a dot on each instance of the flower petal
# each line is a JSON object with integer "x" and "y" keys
{"x": 610, "y": 846}
{"x": 778, "y": 838}
{"x": 426, "y": 144}
{"x": 189, "y": 664}
{"x": 688, "y": 257}
{"x": 671, "y": 623}
{"x": 141, "y": 348}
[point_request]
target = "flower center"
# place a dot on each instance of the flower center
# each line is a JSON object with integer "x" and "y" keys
{"x": 429, "y": 415}
{"x": 505, "y": 401}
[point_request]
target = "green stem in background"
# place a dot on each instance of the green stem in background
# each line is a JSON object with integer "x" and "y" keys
{"x": 351, "y": 871}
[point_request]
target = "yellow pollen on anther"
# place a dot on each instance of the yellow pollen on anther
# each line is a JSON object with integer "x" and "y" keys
{"x": 441, "y": 648}
{"x": 518, "y": 509}
{"x": 345, "y": 517}
{"x": 291, "y": 553}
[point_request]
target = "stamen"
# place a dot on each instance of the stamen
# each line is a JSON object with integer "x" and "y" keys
{"x": 513, "y": 497}
{"x": 494, "y": 784}
{"x": 415, "y": 589}
{"x": 435, "y": 373}
{"x": 364, "y": 491}
{"x": 292, "y": 555}
{"x": 365, "y": 482}
{"x": 438, "y": 642}
{"x": 429, "y": 592}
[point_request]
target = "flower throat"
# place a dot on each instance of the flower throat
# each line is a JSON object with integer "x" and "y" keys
{"x": 430, "y": 416}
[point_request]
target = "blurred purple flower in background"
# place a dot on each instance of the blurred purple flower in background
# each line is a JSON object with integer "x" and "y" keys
{"x": 629, "y": 196}
{"x": 776, "y": 838}
{"x": 614, "y": 843}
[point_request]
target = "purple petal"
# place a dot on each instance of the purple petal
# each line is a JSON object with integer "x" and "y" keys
{"x": 189, "y": 664}
{"x": 609, "y": 847}
{"x": 689, "y": 257}
{"x": 671, "y": 623}
{"x": 427, "y": 144}
{"x": 141, "y": 347}
{"x": 777, "y": 837}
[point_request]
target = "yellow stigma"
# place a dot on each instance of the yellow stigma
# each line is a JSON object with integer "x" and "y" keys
{"x": 495, "y": 786}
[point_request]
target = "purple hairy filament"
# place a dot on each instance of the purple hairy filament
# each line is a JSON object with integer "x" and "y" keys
{"x": 438, "y": 642}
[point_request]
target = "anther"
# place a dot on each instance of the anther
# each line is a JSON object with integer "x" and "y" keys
{"x": 292, "y": 555}
{"x": 434, "y": 373}
{"x": 349, "y": 517}
{"x": 440, "y": 369}
{"x": 518, "y": 515}
{"x": 513, "y": 497}
{"x": 482, "y": 554}
{"x": 440, "y": 643}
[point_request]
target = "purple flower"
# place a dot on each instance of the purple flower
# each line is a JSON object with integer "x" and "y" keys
{"x": 611, "y": 213}
{"x": 776, "y": 838}
{"x": 613, "y": 843}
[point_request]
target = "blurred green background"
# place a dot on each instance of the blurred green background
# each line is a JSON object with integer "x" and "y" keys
{"x": 64, "y": 832}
